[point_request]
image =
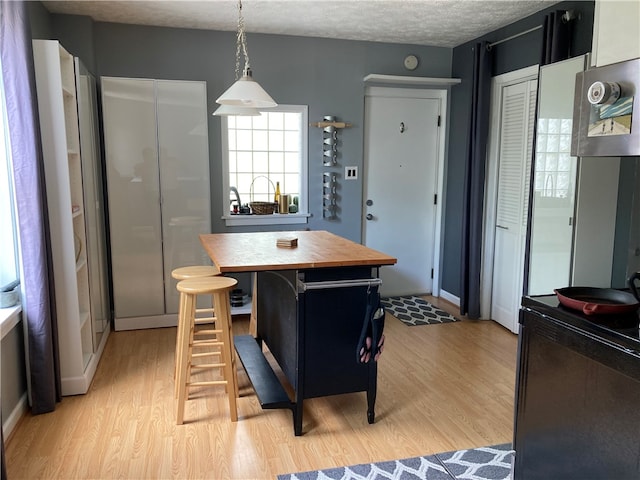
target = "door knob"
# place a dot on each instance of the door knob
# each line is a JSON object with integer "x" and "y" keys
{"x": 369, "y": 216}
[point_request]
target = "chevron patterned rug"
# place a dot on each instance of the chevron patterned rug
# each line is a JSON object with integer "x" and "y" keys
{"x": 412, "y": 311}
{"x": 486, "y": 463}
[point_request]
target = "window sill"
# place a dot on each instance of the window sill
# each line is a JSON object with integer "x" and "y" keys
{"x": 9, "y": 318}
{"x": 273, "y": 219}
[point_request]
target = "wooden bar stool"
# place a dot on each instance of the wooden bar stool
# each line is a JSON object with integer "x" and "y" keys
{"x": 183, "y": 273}
{"x": 218, "y": 287}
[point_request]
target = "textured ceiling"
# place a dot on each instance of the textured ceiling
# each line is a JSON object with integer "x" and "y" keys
{"x": 445, "y": 23}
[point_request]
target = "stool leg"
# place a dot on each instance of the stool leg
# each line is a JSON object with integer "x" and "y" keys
{"x": 224, "y": 317}
{"x": 181, "y": 320}
{"x": 185, "y": 354}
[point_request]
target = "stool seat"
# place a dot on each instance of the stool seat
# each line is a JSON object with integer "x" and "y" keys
{"x": 218, "y": 287}
{"x": 202, "y": 285}
{"x": 182, "y": 273}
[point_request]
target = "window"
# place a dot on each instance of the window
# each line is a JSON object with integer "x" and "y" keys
{"x": 553, "y": 159}
{"x": 260, "y": 153}
{"x": 8, "y": 243}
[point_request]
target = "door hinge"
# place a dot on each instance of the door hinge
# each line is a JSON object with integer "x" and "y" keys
{"x": 439, "y": 119}
{"x": 432, "y": 274}
{"x": 435, "y": 199}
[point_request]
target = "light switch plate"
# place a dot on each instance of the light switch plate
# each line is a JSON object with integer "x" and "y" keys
{"x": 351, "y": 173}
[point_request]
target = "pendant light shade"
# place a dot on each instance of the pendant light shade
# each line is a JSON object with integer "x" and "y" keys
{"x": 230, "y": 110}
{"x": 246, "y": 92}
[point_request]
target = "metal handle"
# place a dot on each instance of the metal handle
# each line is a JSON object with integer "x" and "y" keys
{"x": 364, "y": 282}
{"x": 369, "y": 216}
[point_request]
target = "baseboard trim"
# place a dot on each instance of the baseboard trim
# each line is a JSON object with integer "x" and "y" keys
{"x": 10, "y": 424}
{"x": 138, "y": 323}
{"x": 449, "y": 297}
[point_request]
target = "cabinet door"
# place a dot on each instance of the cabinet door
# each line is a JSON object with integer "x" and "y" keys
{"x": 554, "y": 182}
{"x": 92, "y": 182}
{"x": 134, "y": 196}
{"x": 184, "y": 177}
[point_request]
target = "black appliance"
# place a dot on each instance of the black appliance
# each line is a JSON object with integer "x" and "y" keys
{"x": 577, "y": 394}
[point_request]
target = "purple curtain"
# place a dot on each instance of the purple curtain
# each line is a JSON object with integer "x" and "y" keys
{"x": 38, "y": 308}
{"x": 474, "y": 179}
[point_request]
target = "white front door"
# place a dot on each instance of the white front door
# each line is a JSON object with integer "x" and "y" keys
{"x": 514, "y": 163}
{"x": 401, "y": 179}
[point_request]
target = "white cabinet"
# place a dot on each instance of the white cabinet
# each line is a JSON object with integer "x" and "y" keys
{"x": 157, "y": 162}
{"x": 616, "y": 31}
{"x": 57, "y": 104}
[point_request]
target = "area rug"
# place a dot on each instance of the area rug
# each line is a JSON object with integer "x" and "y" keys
{"x": 412, "y": 311}
{"x": 485, "y": 463}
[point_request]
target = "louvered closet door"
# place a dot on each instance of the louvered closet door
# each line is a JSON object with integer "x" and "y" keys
{"x": 516, "y": 139}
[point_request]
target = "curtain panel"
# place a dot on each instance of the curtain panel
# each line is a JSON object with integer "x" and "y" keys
{"x": 474, "y": 181}
{"x": 38, "y": 308}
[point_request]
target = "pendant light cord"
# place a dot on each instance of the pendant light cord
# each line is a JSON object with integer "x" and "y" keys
{"x": 241, "y": 44}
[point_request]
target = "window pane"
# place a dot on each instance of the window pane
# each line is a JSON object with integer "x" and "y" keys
{"x": 245, "y": 162}
{"x": 276, "y": 140}
{"x": 260, "y": 140}
{"x": 276, "y": 120}
{"x": 292, "y": 141}
{"x": 232, "y": 139}
{"x": 276, "y": 162}
{"x": 242, "y": 122}
{"x": 261, "y": 162}
{"x": 292, "y": 162}
{"x": 244, "y": 139}
{"x": 8, "y": 264}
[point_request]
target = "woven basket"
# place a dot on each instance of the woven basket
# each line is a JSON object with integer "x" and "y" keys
{"x": 262, "y": 208}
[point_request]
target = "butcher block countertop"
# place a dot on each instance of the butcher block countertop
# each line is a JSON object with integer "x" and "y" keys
{"x": 257, "y": 251}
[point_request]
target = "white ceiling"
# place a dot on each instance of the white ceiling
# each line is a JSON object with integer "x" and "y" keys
{"x": 444, "y": 23}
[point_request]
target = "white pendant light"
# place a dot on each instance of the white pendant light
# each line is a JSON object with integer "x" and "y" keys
{"x": 229, "y": 110}
{"x": 245, "y": 92}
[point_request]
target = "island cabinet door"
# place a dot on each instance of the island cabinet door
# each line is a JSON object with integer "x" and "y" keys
{"x": 331, "y": 323}
{"x": 577, "y": 400}
{"x": 313, "y": 333}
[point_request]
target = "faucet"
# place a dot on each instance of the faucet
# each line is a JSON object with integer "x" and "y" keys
{"x": 235, "y": 190}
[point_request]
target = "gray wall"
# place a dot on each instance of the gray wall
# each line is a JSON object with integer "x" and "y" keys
{"x": 327, "y": 75}
{"x": 509, "y": 56}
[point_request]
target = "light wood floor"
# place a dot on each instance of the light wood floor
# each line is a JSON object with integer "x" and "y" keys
{"x": 440, "y": 388}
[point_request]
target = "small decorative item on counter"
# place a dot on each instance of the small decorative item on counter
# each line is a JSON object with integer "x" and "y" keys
{"x": 276, "y": 197}
{"x": 283, "y": 207}
{"x": 287, "y": 242}
{"x": 9, "y": 295}
{"x": 293, "y": 206}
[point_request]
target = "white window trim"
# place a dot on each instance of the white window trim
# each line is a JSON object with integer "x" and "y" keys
{"x": 9, "y": 318}
{"x": 276, "y": 218}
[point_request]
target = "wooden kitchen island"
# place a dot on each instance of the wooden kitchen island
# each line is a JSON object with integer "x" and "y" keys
{"x": 310, "y": 309}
